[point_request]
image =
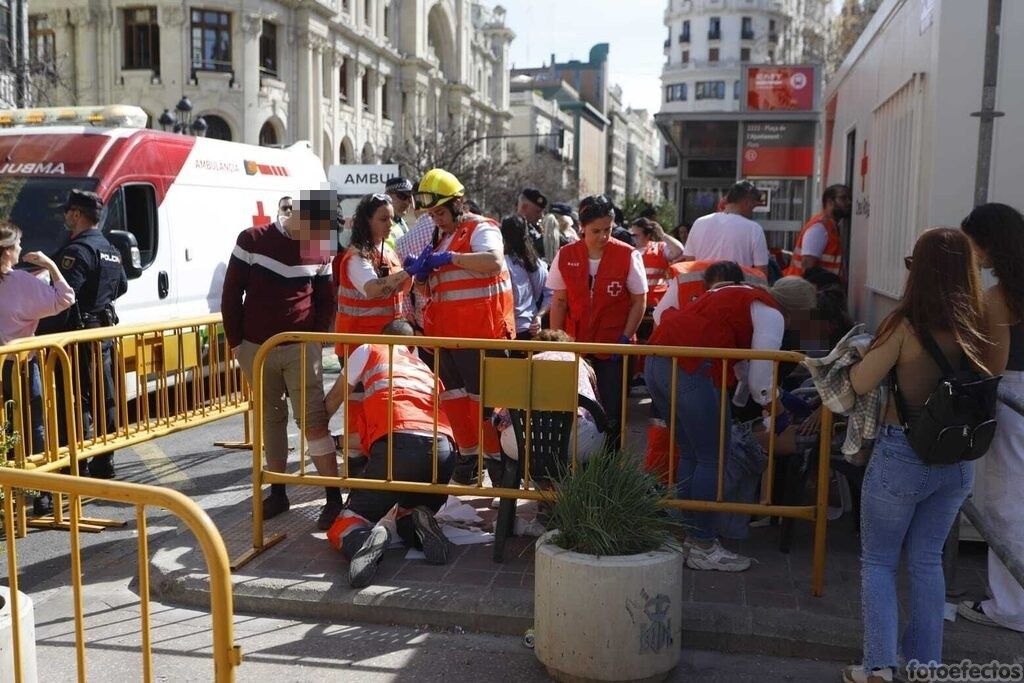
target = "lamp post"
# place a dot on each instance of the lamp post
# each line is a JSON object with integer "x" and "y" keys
{"x": 180, "y": 120}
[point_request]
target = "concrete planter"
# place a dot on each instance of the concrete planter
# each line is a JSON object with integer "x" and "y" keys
{"x": 607, "y": 618}
{"x": 26, "y": 634}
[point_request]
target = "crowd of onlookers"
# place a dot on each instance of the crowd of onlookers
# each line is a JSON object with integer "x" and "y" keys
{"x": 554, "y": 273}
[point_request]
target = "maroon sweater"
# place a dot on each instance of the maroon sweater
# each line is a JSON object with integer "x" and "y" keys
{"x": 270, "y": 288}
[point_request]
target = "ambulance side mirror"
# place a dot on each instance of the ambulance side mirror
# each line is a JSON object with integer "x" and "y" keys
{"x": 131, "y": 259}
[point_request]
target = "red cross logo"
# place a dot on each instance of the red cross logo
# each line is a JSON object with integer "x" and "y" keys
{"x": 614, "y": 289}
{"x": 260, "y": 218}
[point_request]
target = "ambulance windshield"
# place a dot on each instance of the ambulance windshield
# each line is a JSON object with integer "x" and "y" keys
{"x": 34, "y": 205}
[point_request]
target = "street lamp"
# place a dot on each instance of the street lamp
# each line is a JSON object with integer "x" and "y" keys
{"x": 181, "y": 122}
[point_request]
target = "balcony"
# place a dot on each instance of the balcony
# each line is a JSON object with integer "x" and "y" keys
{"x": 715, "y": 34}
{"x": 773, "y": 38}
{"x": 747, "y": 35}
{"x": 668, "y": 43}
{"x": 684, "y": 37}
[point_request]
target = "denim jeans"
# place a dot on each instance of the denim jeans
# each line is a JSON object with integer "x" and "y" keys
{"x": 906, "y": 505}
{"x": 697, "y": 435}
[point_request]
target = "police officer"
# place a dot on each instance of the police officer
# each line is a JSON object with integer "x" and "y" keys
{"x": 93, "y": 269}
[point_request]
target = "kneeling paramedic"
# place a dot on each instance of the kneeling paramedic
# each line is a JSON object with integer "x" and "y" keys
{"x": 398, "y": 406}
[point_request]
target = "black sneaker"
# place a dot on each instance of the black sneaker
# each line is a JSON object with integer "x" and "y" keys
{"x": 465, "y": 470}
{"x": 434, "y": 542}
{"x": 364, "y": 565}
{"x": 42, "y": 505}
{"x": 101, "y": 467}
{"x": 273, "y": 505}
{"x": 328, "y": 514}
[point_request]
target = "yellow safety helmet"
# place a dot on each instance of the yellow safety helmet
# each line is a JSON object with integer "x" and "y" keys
{"x": 438, "y": 187}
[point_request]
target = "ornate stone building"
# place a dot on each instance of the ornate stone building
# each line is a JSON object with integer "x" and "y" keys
{"x": 347, "y": 75}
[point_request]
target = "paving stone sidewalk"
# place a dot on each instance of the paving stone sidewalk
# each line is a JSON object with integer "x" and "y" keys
{"x": 768, "y": 609}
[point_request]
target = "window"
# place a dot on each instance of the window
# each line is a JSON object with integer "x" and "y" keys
{"x": 268, "y": 135}
{"x": 735, "y": 90}
{"x": 326, "y": 71}
{"x": 268, "y": 49}
{"x": 343, "y": 81}
{"x": 744, "y": 54}
{"x": 684, "y": 37}
{"x": 675, "y": 93}
{"x": 715, "y": 28}
{"x": 710, "y": 90}
{"x": 365, "y": 90}
{"x": 747, "y": 28}
{"x": 713, "y": 55}
{"x": 6, "y": 56}
{"x": 211, "y": 40}
{"x": 132, "y": 208}
{"x": 368, "y": 13}
{"x": 141, "y": 39}
{"x": 387, "y": 21}
{"x": 686, "y": 56}
{"x": 384, "y": 110}
{"x": 895, "y": 176}
{"x": 771, "y": 56}
{"x": 42, "y": 44}
{"x": 773, "y": 37}
{"x": 217, "y": 128}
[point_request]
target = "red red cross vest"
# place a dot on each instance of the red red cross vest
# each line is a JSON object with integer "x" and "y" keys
{"x": 596, "y": 313}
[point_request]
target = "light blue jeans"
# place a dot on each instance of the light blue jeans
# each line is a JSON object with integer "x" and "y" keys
{"x": 697, "y": 435}
{"x": 906, "y": 505}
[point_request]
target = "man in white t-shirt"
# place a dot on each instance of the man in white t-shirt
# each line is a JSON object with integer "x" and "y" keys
{"x": 730, "y": 235}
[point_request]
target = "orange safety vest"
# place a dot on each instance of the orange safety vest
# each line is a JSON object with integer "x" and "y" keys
{"x": 467, "y": 304}
{"x": 831, "y": 259}
{"x": 412, "y": 392}
{"x": 597, "y": 312}
{"x": 358, "y": 314}
{"x": 689, "y": 277}
{"x": 657, "y": 267}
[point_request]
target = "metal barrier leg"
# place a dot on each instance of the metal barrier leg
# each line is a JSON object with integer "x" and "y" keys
{"x": 246, "y": 443}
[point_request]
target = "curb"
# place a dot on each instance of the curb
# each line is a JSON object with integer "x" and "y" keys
{"x": 706, "y": 625}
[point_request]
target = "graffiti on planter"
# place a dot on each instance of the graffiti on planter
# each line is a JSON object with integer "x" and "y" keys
{"x": 651, "y": 614}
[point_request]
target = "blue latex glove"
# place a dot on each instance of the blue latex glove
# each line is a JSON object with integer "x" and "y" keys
{"x": 438, "y": 260}
{"x": 623, "y": 339}
{"x": 412, "y": 265}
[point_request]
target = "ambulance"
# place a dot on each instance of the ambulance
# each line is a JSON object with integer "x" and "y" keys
{"x": 174, "y": 204}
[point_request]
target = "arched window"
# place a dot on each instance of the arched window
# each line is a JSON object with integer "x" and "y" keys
{"x": 217, "y": 128}
{"x": 268, "y": 135}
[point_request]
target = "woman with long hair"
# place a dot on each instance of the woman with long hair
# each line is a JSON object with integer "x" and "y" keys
{"x": 529, "y": 273}
{"x": 24, "y": 301}
{"x": 907, "y": 504}
{"x": 558, "y": 231}
{"x": 997, "y": 232}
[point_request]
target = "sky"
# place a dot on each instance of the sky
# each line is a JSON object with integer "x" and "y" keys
{"x": 634, "y": 29}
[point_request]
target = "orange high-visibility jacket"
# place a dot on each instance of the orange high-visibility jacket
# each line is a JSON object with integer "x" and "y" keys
{"x": 412, "y": 390}
{"x": 689, "y": 277}
{"x": 467, "y": 304}
{"x": 831, "y": 259}
{"x": 358, "y": 314}
{"x": 656, "y": 265}
{"x": 596, "y": 313}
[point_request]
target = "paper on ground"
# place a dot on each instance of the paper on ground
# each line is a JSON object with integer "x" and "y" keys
{"x": 455, "y": 511}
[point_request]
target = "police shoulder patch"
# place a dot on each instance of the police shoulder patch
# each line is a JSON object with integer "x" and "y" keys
{"x": 67, "y": 263}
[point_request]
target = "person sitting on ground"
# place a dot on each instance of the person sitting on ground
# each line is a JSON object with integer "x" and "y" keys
{"x": 410, "y": 429}
{"x": 591, "y": 437}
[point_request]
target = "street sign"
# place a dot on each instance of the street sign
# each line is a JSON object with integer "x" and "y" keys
{"x": 778, "y": 149}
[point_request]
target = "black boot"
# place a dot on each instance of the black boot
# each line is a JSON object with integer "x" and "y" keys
{"x": 101, "y": 466}
{"x": 465, "y": 470}
{"x": 42, "y": 506}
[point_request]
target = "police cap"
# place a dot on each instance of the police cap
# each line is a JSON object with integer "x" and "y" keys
{"x": 83, "y": 199}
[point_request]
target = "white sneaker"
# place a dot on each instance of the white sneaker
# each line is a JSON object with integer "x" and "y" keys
{"x": 716, "y": 558}
{"x": 858, "y": 674}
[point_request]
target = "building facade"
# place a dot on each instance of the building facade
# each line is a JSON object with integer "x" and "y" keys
{"x": 347, "y": 75}
{"x": 631, "y": 147}
{"x": 709, "y": 41}
{"x": 541, "y": 127}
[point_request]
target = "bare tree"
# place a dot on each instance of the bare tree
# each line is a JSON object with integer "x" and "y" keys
{"x": 43, "y": 81}
{"x": 492, "y": 182}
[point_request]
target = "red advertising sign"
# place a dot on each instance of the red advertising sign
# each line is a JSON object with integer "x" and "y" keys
{"x": 778, "y": 149}
{"x": 780, "y": 88}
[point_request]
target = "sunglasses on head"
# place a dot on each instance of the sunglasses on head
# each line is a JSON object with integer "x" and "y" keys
{"x": 428, "y": 200}
{"x": 908, "y": 261}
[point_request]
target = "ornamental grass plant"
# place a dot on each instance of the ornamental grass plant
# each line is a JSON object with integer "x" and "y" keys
{"x": 610, "y": 506}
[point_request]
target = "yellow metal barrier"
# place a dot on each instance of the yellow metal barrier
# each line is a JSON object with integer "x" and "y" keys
{"x": 165, "y": 378}
{"x": 226, "y": 655}
{"x": 515, "y": 383}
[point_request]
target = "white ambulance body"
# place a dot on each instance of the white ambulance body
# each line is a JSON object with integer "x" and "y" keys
{"x": 184, "y": 199}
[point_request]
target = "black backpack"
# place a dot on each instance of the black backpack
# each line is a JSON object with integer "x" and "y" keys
{"x": 958, "y": 420}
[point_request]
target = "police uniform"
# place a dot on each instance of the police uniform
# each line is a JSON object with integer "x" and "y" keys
{"x": 92, "y": 266}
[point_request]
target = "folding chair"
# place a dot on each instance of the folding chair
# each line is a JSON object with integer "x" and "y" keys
{"x": 543, "y": 392}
